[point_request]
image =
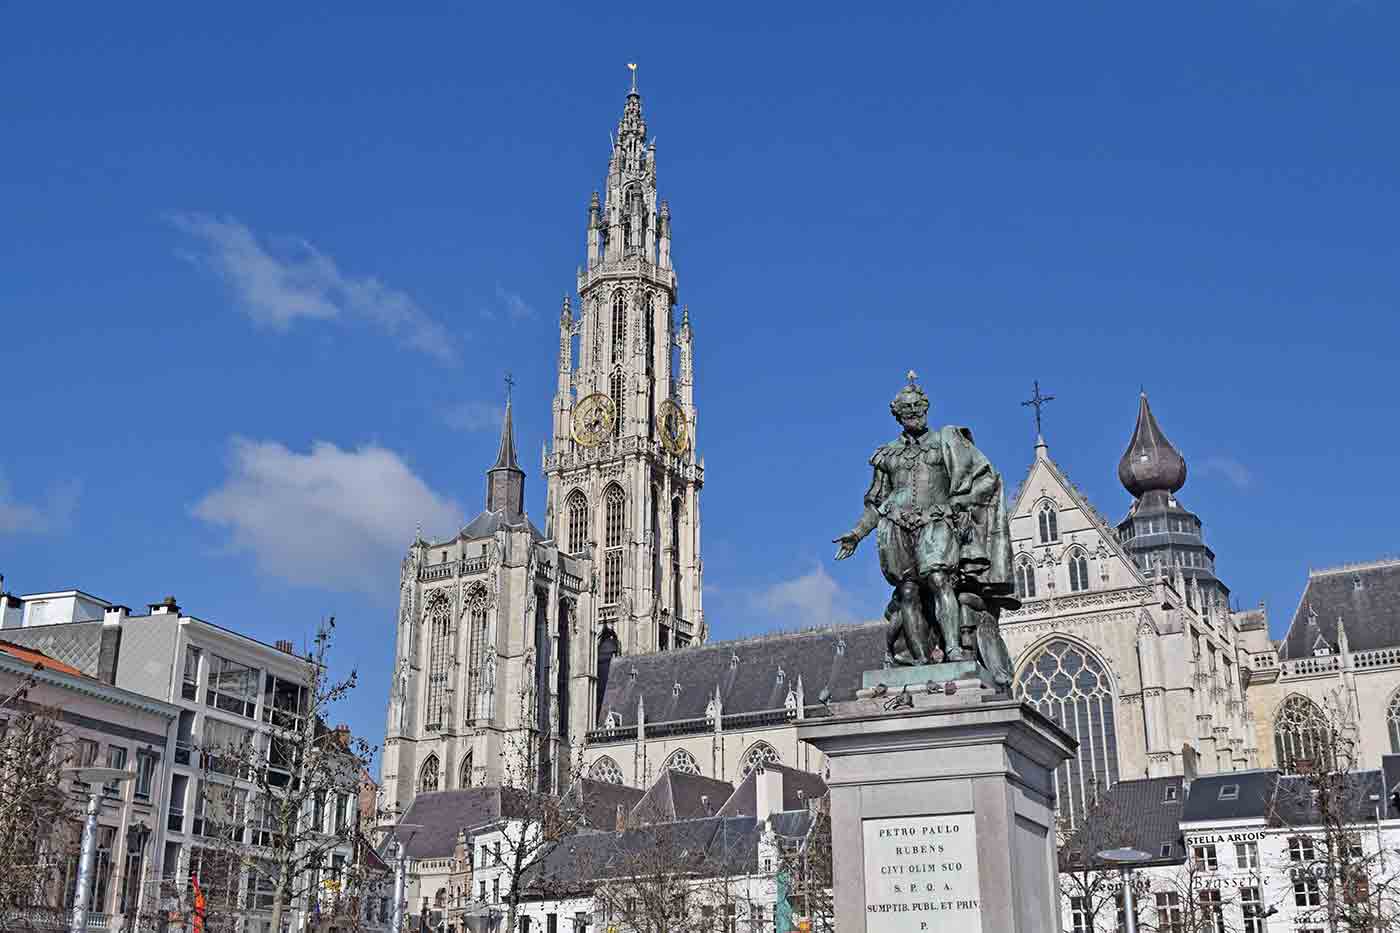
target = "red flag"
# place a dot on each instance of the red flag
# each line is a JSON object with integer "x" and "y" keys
{"x": 198, "y": 905}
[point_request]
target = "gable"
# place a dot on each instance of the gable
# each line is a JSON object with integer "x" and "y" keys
{"x": 1078, "y": 525}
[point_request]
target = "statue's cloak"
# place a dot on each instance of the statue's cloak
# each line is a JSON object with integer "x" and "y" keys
{"x": 975, "y": 484}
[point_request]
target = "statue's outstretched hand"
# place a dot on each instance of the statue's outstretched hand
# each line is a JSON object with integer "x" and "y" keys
{"x": 848, "y": 542}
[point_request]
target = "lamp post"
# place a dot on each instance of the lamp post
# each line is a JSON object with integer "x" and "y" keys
{"x": 94, "y": 778}
{"x": 1125, "y": 859}
{"x": 397, "y": 831}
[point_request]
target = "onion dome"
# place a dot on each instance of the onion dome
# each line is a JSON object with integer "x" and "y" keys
{"x": 1150, "y": 462}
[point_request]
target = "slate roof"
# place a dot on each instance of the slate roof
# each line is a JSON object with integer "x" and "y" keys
{"x": 1144, "y": 814}
{"x": 30, "y": 656}
{"x": 1366, "y": 596}
{"x": 1293, "y": 803}
{"x": 74, "y": 644}
{"x": 677, "y": 795}
{"x": 1251, "y": 799}
{"x": 749, "y": 685}
{"x": 486, "y": 524}
{"x": 744, "y": 800}
{"x": 711, "y": 846}
{"x": 599, "y": 801}
{"x": 442, "y": 813}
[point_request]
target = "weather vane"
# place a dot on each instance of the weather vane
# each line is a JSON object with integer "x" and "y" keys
{"x": 1037, "y": 401}
{"x": 632, "y": 67}
{"x": 510, "y": 384}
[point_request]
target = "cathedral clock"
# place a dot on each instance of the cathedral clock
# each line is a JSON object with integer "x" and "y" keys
{"x": 674, "y": 435}
{"x": 594, "y": 417}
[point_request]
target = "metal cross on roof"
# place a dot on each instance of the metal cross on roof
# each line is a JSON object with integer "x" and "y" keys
{"x": 911, "y": 375}
{"x": 1037, "y": 401}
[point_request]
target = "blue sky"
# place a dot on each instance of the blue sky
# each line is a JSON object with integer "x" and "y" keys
{"x": 262, "y": 273}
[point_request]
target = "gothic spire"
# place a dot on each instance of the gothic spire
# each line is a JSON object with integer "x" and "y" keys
{"x": 1150, "y": 462}
{"x": 505, "y": 481}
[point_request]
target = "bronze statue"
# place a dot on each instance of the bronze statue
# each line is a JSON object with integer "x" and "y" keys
{"x": 936, "y": 504}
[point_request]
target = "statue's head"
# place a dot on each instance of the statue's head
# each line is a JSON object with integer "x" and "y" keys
{"x": 910, "y": 406}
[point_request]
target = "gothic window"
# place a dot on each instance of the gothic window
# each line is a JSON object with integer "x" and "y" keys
{"x": 676, "y": 605}
{"x": 619, "y": 326}
{"x": 605, "y": 770}
{"x": 608, "y": 648}
{"x": 1049, "y": 524}
{"x": 682, "y": 760}
{"x": 440, "y": 650}
{"x": 1392, "y": 720}
{"x": 1070, "y": 684}
{"x": 1078, "y": 572}
{"x": 615, "y": 384}
{"x": 1302, "y": 739}
{"x": 615, "y": 528}
{"x": 758, "y": 753}
{"x": 577, "y": 510}
{"x": 428, "y": 776}
{"x": 1025, "y": 579}
{"x": 465, "y": 777}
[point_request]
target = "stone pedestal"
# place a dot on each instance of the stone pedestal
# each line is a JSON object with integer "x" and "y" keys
{"x": 942, "y": 814}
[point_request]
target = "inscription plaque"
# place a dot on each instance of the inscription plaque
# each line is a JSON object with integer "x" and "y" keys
{"x": 921, "y": 874}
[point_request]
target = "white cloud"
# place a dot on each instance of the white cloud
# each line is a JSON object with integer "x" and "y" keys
{"x": 53, "y": 515}
{"x": 295, "y": 281}
{"x": 1233, "y": 471}
{"x": 330, "y": 517}
{"x": 813, "y": 599}
{"x": 474, "y": 416}
{"x": 508, "y": 305}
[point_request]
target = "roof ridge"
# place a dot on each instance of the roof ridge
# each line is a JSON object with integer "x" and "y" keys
{"x": 1376, "y": 564}
{"x": 773, "y": 635}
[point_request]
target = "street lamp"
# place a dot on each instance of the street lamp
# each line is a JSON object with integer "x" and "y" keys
{"x": 397, "y": 831}
{"x": 94, "y": 778}
{"x": 1125, "y": 859}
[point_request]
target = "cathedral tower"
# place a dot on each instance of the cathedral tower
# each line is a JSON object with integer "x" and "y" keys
{"x": 624, "y": 481}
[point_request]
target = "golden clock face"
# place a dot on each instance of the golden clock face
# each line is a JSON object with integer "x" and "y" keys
{"x": 674, "y": 434}
{"x": 594, "y": 417}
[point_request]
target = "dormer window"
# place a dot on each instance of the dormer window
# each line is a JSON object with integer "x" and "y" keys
{"x": 1356, "y": 583}
{"x": 1230, "y": 792}
{"x": 1170, "y": 796}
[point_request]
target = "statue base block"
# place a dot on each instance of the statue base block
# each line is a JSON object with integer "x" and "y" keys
{"x": 920, "y": 675}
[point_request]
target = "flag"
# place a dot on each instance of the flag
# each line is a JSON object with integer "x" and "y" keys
{"x": 198, "y": 905}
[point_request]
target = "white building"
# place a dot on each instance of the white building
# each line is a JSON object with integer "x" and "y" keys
{"x": 1249, "y": 848}
{"x": 103, "y": 726}
{"x": 225, "y": 688}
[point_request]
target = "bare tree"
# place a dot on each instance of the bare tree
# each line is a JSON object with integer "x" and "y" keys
{"x": 1087, "y": 883}
{"x": 1191, "y": 900}
{"x": 535, "y": 820}
{"x": 1342, "y": 880}
{"x": 282, "y": 815}
{"x": 805, "y": 864}
{"x": 38, "y": 820}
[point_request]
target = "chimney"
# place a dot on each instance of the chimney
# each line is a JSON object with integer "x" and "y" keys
{"x": 110, "y": 643}
{"x": 283, "y": 645}
{"x": 767, "y": 792}
{"x": 342, "y": 735}
{"x": 166, "y": 606}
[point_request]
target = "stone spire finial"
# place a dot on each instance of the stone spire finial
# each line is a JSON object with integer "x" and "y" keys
{"x": 1150, "y": 462}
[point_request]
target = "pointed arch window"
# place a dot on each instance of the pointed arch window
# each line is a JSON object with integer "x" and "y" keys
{"x": 577, "y": 511}
{"x": 619, "y": 326}
{"x": 477, "y": 634}
{"x": 1078, "y": 571}
{"x": 677, "y": 606}
{"x": 428, "y": 776}
{"x": 1392, "y": 721}
{"x": 605, "y": 770}
{"x": 464, "y": 778}
{"x": 1025, "y": 579}
{"x": 615, "y": 383}
{"x": 441, "y": 634}
{"x": 615, "y": 532}
{"x": 1071, "y": 685}
{"x": 1302, "y": 739}
{"x": 682, "y": 760}
{"x": 758, "y": 753}
{"x": 1049, "y": 523}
